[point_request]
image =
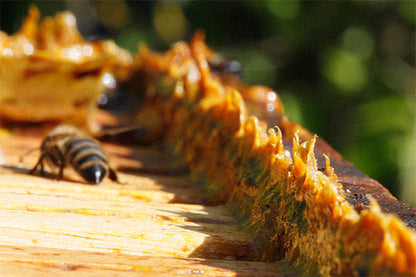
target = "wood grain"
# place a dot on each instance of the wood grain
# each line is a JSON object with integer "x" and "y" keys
{"x": 154, "y": 225}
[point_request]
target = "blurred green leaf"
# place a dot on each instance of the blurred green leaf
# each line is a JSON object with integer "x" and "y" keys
{"x": 407, "y": 165}
{"x": 383, "y": 116}
{"x": 407, "y": 9}
{"x": 130, "y": 38}
{"x": 292, "y": 106}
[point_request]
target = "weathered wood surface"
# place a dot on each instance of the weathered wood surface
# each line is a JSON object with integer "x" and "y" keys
{"x": 154, "y": 225}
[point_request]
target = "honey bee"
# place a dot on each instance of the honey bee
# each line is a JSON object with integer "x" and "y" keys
{"x": 221, "y": 65}
{"x": 66, "y": 145}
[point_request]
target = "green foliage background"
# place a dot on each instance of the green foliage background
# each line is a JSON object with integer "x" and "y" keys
{"x": 345, "y": 70}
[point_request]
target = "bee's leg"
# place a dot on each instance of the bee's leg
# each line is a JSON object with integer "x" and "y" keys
{"x": 60, "y": 173}
{"x": 39, "y": 163}
{"x": 42, "y": 169}
{"x": 113, "y": 176}
{"x": 61, "y": 164}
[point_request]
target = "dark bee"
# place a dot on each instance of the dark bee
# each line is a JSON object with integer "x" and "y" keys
{"x": 221, "y": 65}
{"x": 66, "y": 145}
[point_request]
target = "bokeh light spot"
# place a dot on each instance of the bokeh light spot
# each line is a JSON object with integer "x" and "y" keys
{"x": 345, "y": 70}
{"x": 113, "y": 14}
{"x": 285, "y": 10}
{"x": 258, "y": 68}
{"x": 109, "y": 81}
{"x": 169, "y": 21}
{"x": 358, "y": 41}
{"x": 28, "y": 49}
{"x": 8, "y": 52}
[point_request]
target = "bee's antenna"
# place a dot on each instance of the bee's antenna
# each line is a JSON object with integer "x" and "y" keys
{"x": 31, "y": 150}
{"x": 117, "y": 131}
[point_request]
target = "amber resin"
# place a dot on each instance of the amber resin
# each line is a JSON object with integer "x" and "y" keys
{"x": 295, "y": 209}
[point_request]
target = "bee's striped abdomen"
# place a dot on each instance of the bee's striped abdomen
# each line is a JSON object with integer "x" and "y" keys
{"x": 66, "y": 145}
{"x": 88, "y": 159}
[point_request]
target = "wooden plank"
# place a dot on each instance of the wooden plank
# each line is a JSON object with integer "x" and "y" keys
{"x": 154, "y": 225}
{"x": 61, "y": 262}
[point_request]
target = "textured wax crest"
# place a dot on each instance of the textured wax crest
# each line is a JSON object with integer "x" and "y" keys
{"x": 294, "y": 209}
